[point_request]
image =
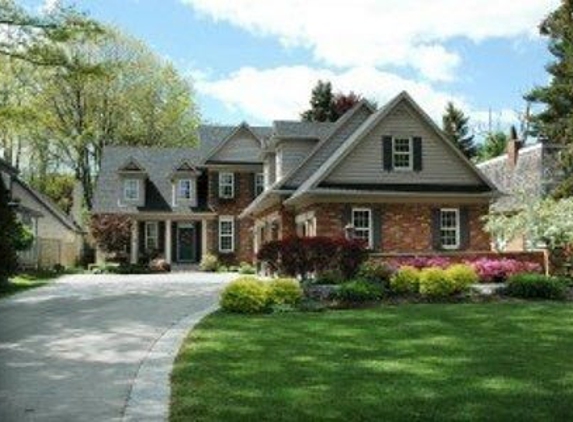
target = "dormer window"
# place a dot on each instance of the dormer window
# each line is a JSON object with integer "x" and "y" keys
{"x": 184, "y": 189}
{"x": 131, "y": 189}
{"x": 259, "y": 183}
{"x": 402, "y": 152}
{"x": 226, "y": 185}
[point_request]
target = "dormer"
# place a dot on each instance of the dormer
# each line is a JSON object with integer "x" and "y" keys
{"x": 184, "y": 185}
{"x": 133, "y": 177}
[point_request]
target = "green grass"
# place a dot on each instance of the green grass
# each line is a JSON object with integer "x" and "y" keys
{"x": 438, "y": 362}
{"x": 26, "y": 281}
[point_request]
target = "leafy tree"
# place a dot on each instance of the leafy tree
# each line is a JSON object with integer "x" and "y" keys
{"x": 321, "y": 104}
{"x": 56, "y": 186}
{"x": 344, "y": 102}
{"x": 494, "y": 145}
{"x": 112, "y": 232}
{"x": 8, "y": 235}
{"x": 455, "y": 126}
{"x": 555, "y": 121}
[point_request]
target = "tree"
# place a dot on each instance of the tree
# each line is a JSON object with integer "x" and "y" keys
{"x": 321, "y": 104}
{"x": 555, "y": 121}
{"x": 344, "y": 102}
{"x": 112, "y": 232}
{"x": 8, "y": 236}
{"x": 494, "y": 145}
{"x": 455, "y": 126}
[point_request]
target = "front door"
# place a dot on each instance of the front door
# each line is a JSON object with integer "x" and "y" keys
{"x": 186, "y": 241}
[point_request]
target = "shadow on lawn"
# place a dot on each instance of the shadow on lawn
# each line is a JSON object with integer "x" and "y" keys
{"x": 412, "y": 362}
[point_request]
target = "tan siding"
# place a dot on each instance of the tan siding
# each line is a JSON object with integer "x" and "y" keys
{"x": 242, "y": 147}
{"x": 293, "y": 152}
{"x": 440, "y": 163}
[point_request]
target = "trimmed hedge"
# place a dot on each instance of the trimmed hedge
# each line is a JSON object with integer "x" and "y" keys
{"x": 284, "y": 291}
{"x": 406, "y": 280}
{"x": 358, "y": 291}
{"x": 536, "y": 286}
{"x": 246, "y": 295}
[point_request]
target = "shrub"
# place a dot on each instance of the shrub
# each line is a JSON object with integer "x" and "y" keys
{"x": 329, "y": 277}
{"x": 233, "y": 269}
{"x": 498, "y": 270}
{"x": 376, "y": 272}
{"x": 406, "y": 280}
{"x": 358, "y": 291}
{"x": 246, "y": 268}
{"x": 284, "y": 291}
{"x": 209, "y": 262}
{"x": 246, "y": 295}
{"x": 421, "y": 262}
{"x": 435, "y": 283}
{"x": 538, "y": 286}
{"x": 462, "y": 276}
{"x": 112, "y": 232}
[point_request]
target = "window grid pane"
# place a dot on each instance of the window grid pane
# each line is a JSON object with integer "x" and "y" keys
{"x": 131, "y": 189}
{"x": 226, "y": 185}
{"x": 361, "y": 223}
{"x": 402, "y": 153}
{"x": 449, "y": 228}
{"x": 226, "y": 228}
{"x": 259, "y": 183}
{"x": 184, "y": 189}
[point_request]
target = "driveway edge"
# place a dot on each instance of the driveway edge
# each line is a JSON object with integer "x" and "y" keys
{"x": 148, "y": 398}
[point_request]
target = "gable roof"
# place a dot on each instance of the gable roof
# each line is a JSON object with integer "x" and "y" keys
{"x": 372, "y": 121}
{"x": 261, "y": 133}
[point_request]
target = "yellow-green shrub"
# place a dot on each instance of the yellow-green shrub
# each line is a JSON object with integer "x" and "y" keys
{"x": 434, "y": 282}
{"x": 462, "y": 276}
{"x": 284, "y": 291}
{"x": 245, "y": 295}
{"x": 406, "y": 280}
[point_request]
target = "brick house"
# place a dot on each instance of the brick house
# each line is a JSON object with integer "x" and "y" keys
{"x": 388, "y": 176}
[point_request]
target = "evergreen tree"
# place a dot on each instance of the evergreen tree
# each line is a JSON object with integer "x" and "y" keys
{"x": 455, "y": 125}
{"x": 494, "y": 145}
{"x": 321, "y": 104}
{"x": 8, "y": 236}
{"x": 555, "y": 121}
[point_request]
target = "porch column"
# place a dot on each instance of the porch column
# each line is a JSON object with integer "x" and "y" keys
{"x": 168, "y": 241}
{"x": 203, "y": 237}
{"x": 134, "y": 242}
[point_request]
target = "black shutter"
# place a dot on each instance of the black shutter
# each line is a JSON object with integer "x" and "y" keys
{"x": 377, "y": 229}
{"x": 417, "y": 141}
{"x": 237, "y": 228}
{"x": 141, "y": 228}
{"x": 252, "y": 184}
{"x": 214, "y": 186}
{"x": 387, "y": 153}
{"x": 236, "y": 183}
{"x": 161, "y": 237}
{"x": 464, "y": 228}
{"x": 436, "y": 241}
{"x": 174, "y": 251}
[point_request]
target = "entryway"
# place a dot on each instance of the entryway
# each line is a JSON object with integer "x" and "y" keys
{"x": 188, "y": 242}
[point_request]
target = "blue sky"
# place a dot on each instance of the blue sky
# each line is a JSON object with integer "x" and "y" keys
{"x": 256, "y": 60}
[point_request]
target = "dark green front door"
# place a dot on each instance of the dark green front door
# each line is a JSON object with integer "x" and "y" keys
{"x": 186, "y": 241}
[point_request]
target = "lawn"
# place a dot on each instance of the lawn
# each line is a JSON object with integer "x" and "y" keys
{"x": 437, "y": 362}
{"x": 25, "y": 281}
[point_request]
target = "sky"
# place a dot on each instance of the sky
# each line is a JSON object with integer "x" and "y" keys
{"x": 257, "y": 60}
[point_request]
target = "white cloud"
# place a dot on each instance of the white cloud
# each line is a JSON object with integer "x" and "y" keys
{"x": 378, "y": 33}
{"x": 283, "y": 92}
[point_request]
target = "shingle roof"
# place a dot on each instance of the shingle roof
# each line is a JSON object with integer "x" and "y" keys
{"x": 294, "y": 129}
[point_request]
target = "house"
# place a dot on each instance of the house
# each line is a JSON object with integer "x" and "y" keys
{"x": 389, "y": 177}
{"x": 58, "y": 240}
{"x": 523, "y": 174}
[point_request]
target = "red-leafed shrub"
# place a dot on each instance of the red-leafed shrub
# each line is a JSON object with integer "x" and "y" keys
{"x": 111, "y": 232}
{"x": 301, "y": 256}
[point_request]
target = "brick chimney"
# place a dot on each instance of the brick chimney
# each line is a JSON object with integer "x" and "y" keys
{"x": 513, "y": 146}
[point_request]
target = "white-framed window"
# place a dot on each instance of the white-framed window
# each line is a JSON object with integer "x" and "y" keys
{"x": 131, "y": 189}
{"x": 151, "y": 235}
{"x": 226, "y": 185}
{"x": 450, "y": 228}
{"x": 185, "y": 189}
{"x": 402, "y": 153}
{"x": 226, "y": 234}
{"x": 362, "y": 224}
{"x": 306, "y": 224}
{"x": 259, "y": 183}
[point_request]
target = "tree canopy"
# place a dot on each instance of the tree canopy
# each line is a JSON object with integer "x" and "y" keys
{"x": 494, "y": 145}
{"x": 326, "y": 106}
{"x": 455, "y": 126}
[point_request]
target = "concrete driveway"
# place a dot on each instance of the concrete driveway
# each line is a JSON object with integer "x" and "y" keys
{"x": 97, "y": 347}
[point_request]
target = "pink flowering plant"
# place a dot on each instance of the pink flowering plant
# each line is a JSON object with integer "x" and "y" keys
{"x": 498, "y": 270}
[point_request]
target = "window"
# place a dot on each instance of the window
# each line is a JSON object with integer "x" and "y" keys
{"x": 131, "y": 189}
{"x": 151, "y": 235}
{"x": 226, "y": 185}
{"x": 226, "y": 234}
{"x": 362, "y": 223}
{"x": 184, "y": 189}
{"x": 402, "y": 153}
{"x": 259, "y": 183}
{"x": 450, "y": 228}
{"x": 306, "y": 224}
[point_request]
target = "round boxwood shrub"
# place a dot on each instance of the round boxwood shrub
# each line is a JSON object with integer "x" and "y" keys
{"x": 536, "y": 286}
{"x": 209, "y": 263}
{"x": 375, "y": 272}
{"x": 406, "y": 280}
{"x": 284, "y": 291}
{"x": 435, "y": 283}
{"x": 462, "y": 276}
{"x": 246, "y": 295}
{"x": 358, "y": 291}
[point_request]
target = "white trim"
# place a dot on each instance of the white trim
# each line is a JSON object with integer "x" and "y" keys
{"x": 457, "y": 228}
{"x": 125, "y": 189}
{"x": 370, "y": 224}
{"x": 148, "y": 237}
{"x": 226, "y": 219}
{"x": 227, "y": 184}
{"x": 410, "y": 153}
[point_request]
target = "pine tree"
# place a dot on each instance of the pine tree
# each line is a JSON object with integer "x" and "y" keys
{"x": 321, "y": 104}
{"x": 8, "y": 235}
{"x": 555, "y": 121}
{"x": 455, "y": 125}
{"x": 494, "y": 145}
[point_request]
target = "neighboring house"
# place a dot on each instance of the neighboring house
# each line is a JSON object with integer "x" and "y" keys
{"x": 58, "y": 240}
{"x": 524, "y": 174}
{"x": 389, "y": 177}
